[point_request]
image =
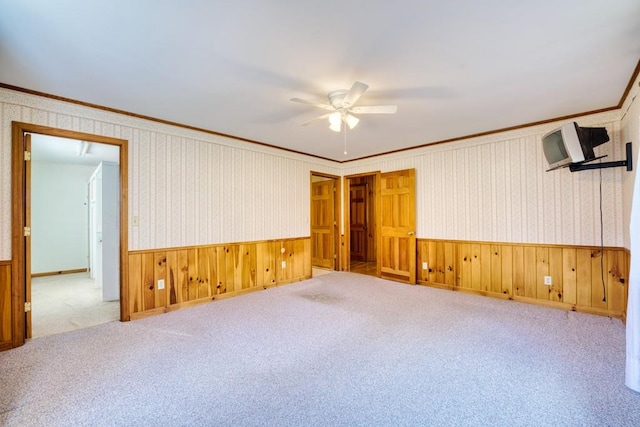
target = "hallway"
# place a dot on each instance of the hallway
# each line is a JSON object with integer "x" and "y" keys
{"x": 68, "y": 302}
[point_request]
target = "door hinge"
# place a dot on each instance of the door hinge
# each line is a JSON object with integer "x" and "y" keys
{"x": 335, "y": 256}
{"x": 27, "y": 306}
{"x": 27, "y": 231}
{"x": 27, "y": 156}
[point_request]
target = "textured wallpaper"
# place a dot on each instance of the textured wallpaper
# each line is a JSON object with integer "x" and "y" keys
{"x": 185, "y": 187}
{"x": 630, "y": 131}
{"x": 496, "y": 188}
{"x": 190, "y": 188}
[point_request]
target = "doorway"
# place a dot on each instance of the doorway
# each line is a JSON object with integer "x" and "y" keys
{"x": 324, "y": 222}
{"x": 22, "y": 216}
{"x": 67, "y": 290}
{"x": 362, "y": 214}
{"x": 382, "y": 210}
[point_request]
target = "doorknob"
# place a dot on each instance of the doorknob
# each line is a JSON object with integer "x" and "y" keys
{"x": 411, "y": 233}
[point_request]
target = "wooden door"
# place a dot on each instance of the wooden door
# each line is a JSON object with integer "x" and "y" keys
{"x": 397, "y": 226}
{"x": 323, "y": 224}
{"x": 27, "y": 239}
{"x": 358, "y": 221}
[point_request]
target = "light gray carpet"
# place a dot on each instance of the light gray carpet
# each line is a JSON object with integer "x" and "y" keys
{"x": 339, "y": 349}
{"x": 67, "y": 302}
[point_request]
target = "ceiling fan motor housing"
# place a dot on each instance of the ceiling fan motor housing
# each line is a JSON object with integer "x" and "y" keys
{"x": 336, "y": 98}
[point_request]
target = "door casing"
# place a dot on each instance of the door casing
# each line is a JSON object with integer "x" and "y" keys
{"x": 26, "y": 174}
{"x": 19, "y": 194}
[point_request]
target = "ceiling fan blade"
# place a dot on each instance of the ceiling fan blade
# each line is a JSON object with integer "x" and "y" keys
{"x": 313, "y": 103}
{"x": 375, "y": 109}
{"x": 324, "y": 116}
{"x": 354, "y": 94}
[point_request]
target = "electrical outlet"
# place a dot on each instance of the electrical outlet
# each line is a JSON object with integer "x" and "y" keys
{"x": 425, "y": 266}
{"x": 284, "y": 264}
{"x": 547, "y": 280}
{"x": 160, "y": 284}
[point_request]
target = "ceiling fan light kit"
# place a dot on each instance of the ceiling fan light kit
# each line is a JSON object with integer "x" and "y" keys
{"x": 352, "y": 121}
{"x": 335, "y": 119}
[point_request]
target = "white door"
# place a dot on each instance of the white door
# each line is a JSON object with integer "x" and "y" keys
{"x": 105, "y": 230}
{"x": 93, "y": 265}
{"x": 110, "y": 236}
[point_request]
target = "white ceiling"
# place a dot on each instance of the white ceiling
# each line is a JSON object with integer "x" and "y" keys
{"x": 52, "y": 149}
{"x": 454, "y": 68}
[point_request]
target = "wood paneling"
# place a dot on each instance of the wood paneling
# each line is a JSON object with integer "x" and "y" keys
{"x": 159, "y": 273}
{"x": 266, "y": 264}
{"x": 293, "y": 264}
{"x": 194, "y": 275}
{"x": 257, "y": 265}
{"x": 204, "y": 272}
{"x": 542, "y": 270}
{"x": 451, "y": 268}
{"x": 5, "y": 305}
{"x": 517, "y": 271}
{"x": 464, "y": 269}
{"x": 556, "y": 266}
{"x": 508, "y": 274}
{"x": 495, "y": 276}
{"x": 529, "y": 271}
{"x": 617, "y": 273}
{"x": 583, "y": 275}
{"x": 192, "y": 271}
{"x": 135, "y": 284}
{"x": 598, "y": 280}
{"x": 569, "y": 281}
{"x": 148, "y": 288}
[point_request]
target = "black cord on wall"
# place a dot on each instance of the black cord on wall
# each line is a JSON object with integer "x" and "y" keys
{"x": 604, "y": 287}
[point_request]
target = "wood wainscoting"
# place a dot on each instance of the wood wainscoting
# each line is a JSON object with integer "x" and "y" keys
{"x": 6, "y": 337}
{"x": 193, "y": 275}
{"x": 518, "y": 271}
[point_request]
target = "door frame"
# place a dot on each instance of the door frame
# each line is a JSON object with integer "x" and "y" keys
{"x": 19, "y": 193}
{"x": 336, "y": 212}
{"x": 346, "y": 214}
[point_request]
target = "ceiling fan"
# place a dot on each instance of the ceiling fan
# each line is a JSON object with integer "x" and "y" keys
{"x": 342, "y": 109}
